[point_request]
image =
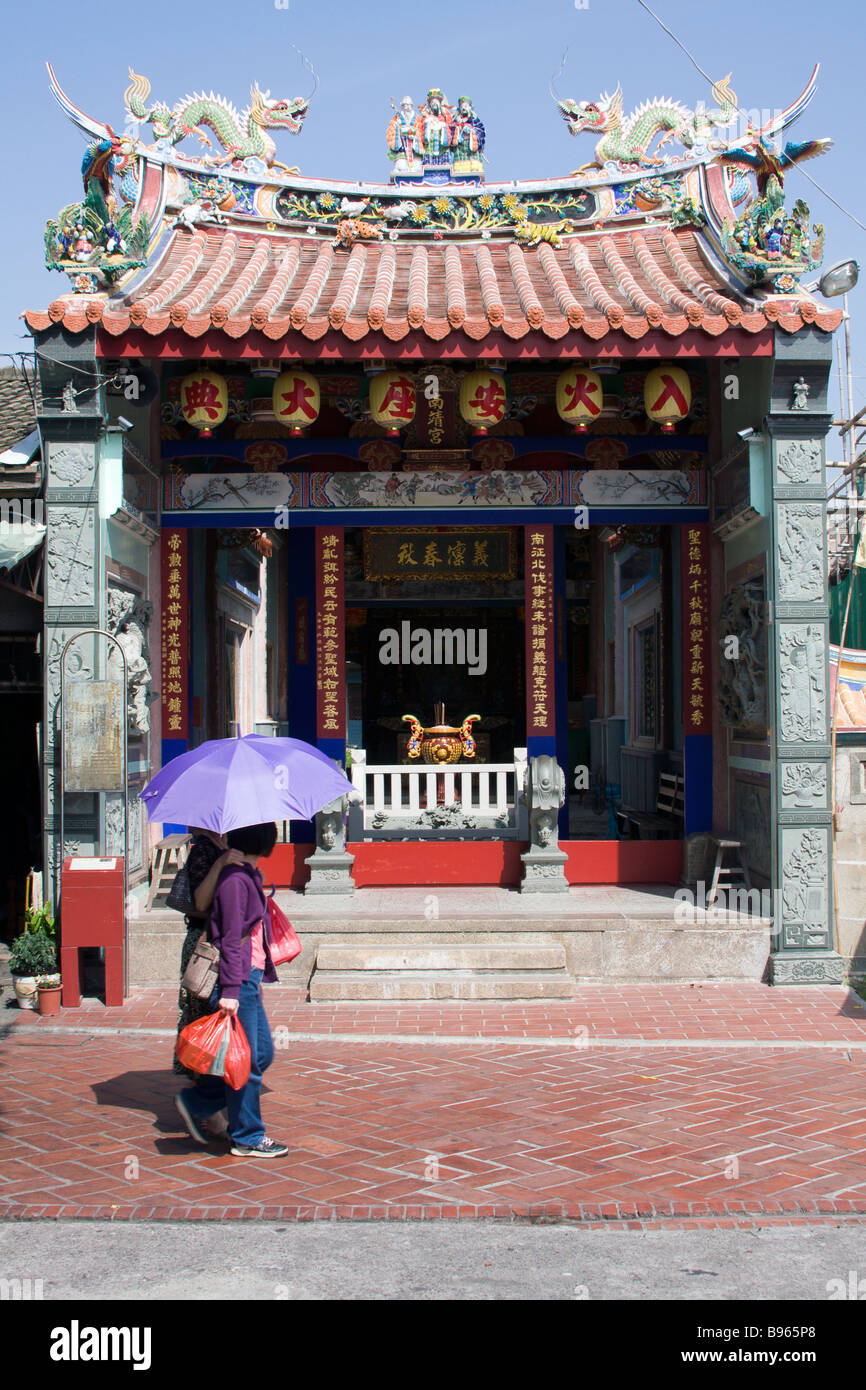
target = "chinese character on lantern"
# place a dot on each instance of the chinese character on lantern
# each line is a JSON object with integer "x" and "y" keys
{"x": 579, "y": 397}
{"x": 667, "y": 396}
{"x": 392, "y": 401}
{"x": 204, "y": 399}
{"x": 483, "y": 400}
{"x": 297, "y": 400}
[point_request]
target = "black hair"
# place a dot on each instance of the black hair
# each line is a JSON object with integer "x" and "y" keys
{"x": 253, "y": 839}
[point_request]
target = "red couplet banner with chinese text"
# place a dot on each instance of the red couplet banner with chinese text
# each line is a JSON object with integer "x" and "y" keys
{"x": 330, "y": 635}
{"x": 175, "y": 635}
{"x": 540, "y": 631}
{"x": 697, "y": 678}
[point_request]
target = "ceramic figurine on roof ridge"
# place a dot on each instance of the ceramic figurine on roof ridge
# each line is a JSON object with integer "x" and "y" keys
{"x": 468, "y": 138}
{"x": 770, "y": 246}
{"x": 96, "y": 241}
{"x": 756, "y": 152}
{"x": 243, "y": 135}
{"x": 435, "y": 144}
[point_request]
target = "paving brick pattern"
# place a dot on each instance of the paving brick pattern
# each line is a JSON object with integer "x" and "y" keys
{"x": 742, "y": 1012}
{"x": 494, "y": 1128}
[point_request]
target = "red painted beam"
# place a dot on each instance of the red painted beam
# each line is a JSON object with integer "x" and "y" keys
{"x": 534, "y": 348}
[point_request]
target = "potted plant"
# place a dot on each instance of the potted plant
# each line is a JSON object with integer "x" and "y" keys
{"x": 32, "y": 958}
{"x": 48, "y": 989}
{"x": 40, "y": 919}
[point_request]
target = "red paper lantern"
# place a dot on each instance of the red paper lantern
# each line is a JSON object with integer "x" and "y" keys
{"x": 297, "y": 400}
{"x": 392, "y": 401}
{"x": 667, "y": 396}
{"x": 483, "y": 400}
{"x": 204, "y": 401}
{"x": 579, "y": 397}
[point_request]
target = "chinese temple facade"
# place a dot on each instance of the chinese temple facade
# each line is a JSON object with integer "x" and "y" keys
{"x": 510, "y": 497}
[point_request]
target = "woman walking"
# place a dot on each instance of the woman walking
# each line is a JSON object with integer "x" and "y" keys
{"x": 239, "y": 927}
{"x": 208, "y": 856}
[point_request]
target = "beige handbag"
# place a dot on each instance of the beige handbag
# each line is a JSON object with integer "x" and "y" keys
{"x": 202, "y": 972}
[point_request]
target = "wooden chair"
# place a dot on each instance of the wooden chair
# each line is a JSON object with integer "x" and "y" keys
{"x": 166, "y": 858}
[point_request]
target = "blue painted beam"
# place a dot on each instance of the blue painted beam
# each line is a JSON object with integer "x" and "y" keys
{"x": 573, "y": 444}
{"x": 440, "y": 516}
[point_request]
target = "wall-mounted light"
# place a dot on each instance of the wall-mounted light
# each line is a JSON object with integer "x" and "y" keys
{"x": 839, "y": 279}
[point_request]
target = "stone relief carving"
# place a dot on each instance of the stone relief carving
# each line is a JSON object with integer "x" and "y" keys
{"x": 803, "y": 682}
{"x": 804, "y": 886}
{"x": 79, "y": 663}
{"x": 331, "y": 864}
{"x": 821, "y": 971}
{"x": 330, "y": 825}
{"x": 71, "y": 558}
{"x": 798, "y": 462}
{"x": 71, "y": 465}
{"x": 114, "y": 829}
{"x": 743, "y": 679}
{"x": 804, "y": 786}
{"x": 800, "y": 548}
{"x": 129, "y": 618}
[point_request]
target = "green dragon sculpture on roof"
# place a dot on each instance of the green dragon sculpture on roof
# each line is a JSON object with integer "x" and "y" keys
{"x": 242, "y": 135}
{"x": 626, "y": 140}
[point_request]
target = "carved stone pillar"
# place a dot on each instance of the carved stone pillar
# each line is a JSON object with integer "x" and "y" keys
{"x": 70, "y": 426}
{"x": 544, "y": 862}
{"x": 803, "y": 947}
{"x": 331, "y": 864}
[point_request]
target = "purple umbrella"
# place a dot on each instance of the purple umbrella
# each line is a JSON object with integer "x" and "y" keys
{"x": 229, "y": 782}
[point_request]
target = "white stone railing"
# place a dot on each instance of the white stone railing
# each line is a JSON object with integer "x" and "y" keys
{"x": 465, "y": 801}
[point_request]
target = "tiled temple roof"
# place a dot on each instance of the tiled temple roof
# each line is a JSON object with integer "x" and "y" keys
{"x": 237, "y": 281}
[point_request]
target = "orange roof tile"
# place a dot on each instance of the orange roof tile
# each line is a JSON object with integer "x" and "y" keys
{"x": 237, "y": 281}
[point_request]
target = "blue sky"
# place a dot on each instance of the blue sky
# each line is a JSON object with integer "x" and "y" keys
{"x": 501, "y": 52}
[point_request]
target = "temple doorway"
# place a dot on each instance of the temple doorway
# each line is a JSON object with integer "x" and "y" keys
{"x": 409, "y": 657}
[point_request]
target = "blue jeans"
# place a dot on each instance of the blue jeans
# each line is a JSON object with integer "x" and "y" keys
{"x": 244, "y": 1106}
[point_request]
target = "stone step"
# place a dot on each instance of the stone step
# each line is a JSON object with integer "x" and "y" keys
{"x": 358, "y": 985}
{"x": 438, "y": 958}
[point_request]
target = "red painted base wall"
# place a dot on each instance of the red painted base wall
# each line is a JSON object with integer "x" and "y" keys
{"x": 482, "y": 862}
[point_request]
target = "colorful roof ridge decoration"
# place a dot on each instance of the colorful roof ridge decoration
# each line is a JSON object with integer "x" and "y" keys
{"x": 678, "y": 247}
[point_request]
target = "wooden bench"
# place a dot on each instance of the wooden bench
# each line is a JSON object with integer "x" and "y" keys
{"x": 666, "y": 822}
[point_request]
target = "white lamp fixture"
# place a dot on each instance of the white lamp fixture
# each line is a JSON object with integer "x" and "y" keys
{"x": 839, "y": 279}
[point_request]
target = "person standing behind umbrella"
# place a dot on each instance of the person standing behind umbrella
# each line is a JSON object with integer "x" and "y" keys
{"x": 208, "y": 856}
{"x": 239, "y": 927}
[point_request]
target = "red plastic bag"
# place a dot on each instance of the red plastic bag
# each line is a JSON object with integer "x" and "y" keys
{"x": 284, "y": 942}
{"x": 236, "y": 1069}
{"x": 216, "y": 1046}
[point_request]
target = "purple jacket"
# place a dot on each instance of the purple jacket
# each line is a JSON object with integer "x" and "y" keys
{"x": 239, "y": 904}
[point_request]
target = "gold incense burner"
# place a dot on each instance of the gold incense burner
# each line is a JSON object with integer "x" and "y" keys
{"x": 441, "y": 743}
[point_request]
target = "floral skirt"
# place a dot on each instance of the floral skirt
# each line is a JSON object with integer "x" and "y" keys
{"x": 189, "y": 1006}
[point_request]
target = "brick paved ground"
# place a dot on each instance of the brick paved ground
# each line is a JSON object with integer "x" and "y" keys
{"x": 741, "y": 1012}
{"x": 713, "y": 1103}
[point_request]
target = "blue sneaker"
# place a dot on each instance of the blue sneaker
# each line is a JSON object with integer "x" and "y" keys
{"x": 266, "y": 1148}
